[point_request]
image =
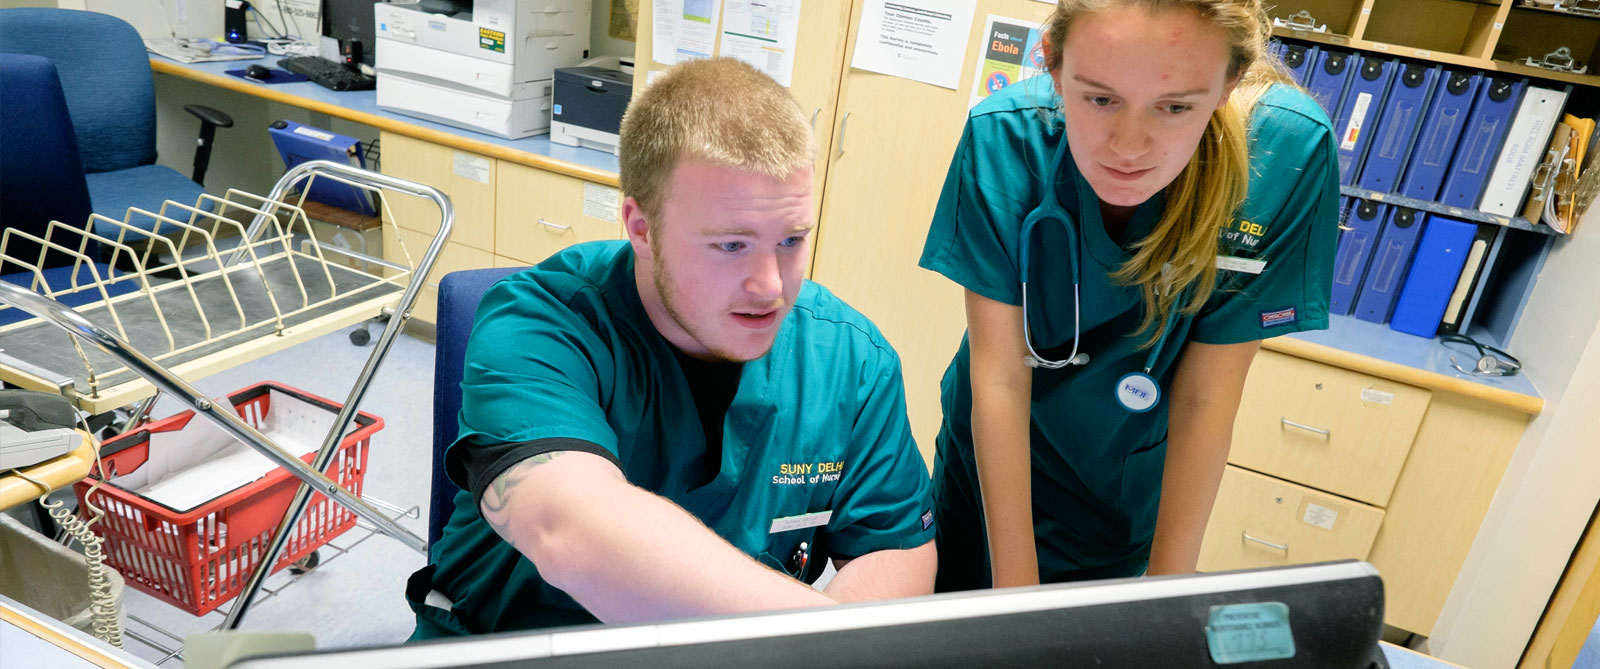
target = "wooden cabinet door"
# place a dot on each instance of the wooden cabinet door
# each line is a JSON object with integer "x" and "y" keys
{"x": 467, "y": 178}
{"x": 819, "y": 44}
{"x": 540, "y": 212}
{"x": 892, "y": 143}
{"x": 1260, "y": 521}
{"x": 1329, "y": 428}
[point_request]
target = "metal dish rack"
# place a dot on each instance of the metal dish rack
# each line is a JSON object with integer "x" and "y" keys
{"x": 209, "y": 311}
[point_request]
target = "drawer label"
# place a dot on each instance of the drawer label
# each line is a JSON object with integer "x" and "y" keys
{"x": 468, "y": 166}
{"x": 1254, "y": 632}
{"x": 1375, "y": 396}
{"x": 601, "y": 201}
{"x": 1320, "y": 516}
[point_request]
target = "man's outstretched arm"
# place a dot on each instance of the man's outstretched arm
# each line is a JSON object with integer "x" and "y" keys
{"x": 625, "y": 554}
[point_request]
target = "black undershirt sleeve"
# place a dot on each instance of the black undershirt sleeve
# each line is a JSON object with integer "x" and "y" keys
{"x": 481, "y": 464}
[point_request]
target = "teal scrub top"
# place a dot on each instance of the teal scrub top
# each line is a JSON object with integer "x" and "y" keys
{"x": 565, "y": 350}
{"x": 1096, "y": 466}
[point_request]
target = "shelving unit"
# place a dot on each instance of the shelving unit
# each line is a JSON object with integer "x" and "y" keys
{"x": 1493, "y": 35}
{"x": 1517, "y": 223}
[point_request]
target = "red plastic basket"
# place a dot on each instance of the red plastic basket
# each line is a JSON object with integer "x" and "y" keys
{"x": 196, "y": 560}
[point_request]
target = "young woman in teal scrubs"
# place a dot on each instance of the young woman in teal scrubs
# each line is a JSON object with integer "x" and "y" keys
{"x": 1127, "y": 229}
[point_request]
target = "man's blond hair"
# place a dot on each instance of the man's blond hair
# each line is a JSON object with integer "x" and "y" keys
{"x": 718, "y": 110}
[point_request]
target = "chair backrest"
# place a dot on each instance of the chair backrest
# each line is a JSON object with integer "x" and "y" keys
{"x": 105, "y": 74}
{"x": 41, "y": 177}
{"x": 459, "y": 294}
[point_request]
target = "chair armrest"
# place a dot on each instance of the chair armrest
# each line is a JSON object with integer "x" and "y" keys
{"x": 210, "y": 120}
{"x": 210, "y": 116}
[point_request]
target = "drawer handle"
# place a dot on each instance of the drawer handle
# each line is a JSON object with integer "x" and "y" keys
{"x": 843, "y": 124}
{"x": 555, "y": 226}
{"x": 1264, "y": 542}
{"x": 1327, "y": 434}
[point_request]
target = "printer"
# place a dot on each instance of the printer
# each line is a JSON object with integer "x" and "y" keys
{"x": 589, "y": 102}
{"x": 491, "y": 70}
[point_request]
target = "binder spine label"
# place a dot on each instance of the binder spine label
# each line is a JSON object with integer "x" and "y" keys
{"x": 1358, "y": 117}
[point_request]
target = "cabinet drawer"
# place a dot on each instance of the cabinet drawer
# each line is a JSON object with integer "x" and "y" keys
{"x": 452, "y": 258}
{"x": 1260, "y": 521}
{"x": 467, "y": 178}
{"x": 1325, "y": 427}
{"x": 542, "y": 212}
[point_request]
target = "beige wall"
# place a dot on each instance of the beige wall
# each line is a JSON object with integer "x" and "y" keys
{"x": 1553, "y": 481}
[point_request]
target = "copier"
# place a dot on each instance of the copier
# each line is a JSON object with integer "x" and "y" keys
{"x": 490, "y": 70}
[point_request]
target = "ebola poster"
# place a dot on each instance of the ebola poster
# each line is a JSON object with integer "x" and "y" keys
{"x": 1008, "y": 53}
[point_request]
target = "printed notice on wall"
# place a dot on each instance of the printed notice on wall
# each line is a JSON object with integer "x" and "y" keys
{"x": 922, "y": 40}
{"x": 762, "y": 33}
{"x": 683, "y": 30}
{"x": 601, "y": 201}
{"x": 1008, "y": 52}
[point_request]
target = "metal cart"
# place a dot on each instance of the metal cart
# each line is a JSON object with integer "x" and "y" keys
{"x": 214, "y": 310}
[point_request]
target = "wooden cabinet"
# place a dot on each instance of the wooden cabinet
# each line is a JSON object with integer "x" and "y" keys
{"x": 507, "y": 214}
{"x": 467, "y": 178}
{"x": 540, "y": 212}
{"x": 1329, "y": 428}
{"x": 1260, "y": 521}
{"x": 892, "y": 143}
{"x": 1415, "y": 465}
{"x": 408, "y": 246}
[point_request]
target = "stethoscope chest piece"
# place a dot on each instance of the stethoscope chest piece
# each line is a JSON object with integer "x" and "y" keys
{"x": 1138, "y": 392}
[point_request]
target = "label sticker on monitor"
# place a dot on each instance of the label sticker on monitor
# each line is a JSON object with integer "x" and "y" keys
{"x": 1249, "y": 633}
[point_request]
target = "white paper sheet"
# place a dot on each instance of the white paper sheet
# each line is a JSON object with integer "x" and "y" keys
{"x": 1008, "y": 52}
{"x": 762, "y": 33}
{"x": 922, "y": 40}
{"x": 200, "y": 462}
{"x": 684, "y": 30}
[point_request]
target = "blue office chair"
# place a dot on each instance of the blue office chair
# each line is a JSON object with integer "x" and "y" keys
{"x": 41, "y": 179}
{"x": 105, "y": 75}
{"x": 459, "y": 293}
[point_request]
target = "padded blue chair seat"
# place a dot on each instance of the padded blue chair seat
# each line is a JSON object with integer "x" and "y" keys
{"x": 146, "y": 187}
{"x": 60, "y": 278}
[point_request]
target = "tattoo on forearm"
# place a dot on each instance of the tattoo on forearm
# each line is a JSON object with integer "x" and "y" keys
{"x": 497, "y": 499}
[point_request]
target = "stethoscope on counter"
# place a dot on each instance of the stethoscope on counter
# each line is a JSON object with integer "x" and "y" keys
{"x": 1136, "y": 391}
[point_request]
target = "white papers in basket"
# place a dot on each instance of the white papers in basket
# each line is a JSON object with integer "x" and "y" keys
{"x": 200, "y": 462}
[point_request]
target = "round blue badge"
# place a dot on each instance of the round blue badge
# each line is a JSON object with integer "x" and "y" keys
{"x": 1138, "y": 392}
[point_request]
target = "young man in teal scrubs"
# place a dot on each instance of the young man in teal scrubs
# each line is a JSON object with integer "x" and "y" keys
{"x": 679, "y": 424}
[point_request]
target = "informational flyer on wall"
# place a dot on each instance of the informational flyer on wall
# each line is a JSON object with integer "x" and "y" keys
{"x": 923, "y": 40}
{"x": 1008, "y": 54}
{"x": 762, "y": 33}
{"x": 683, "y": 30}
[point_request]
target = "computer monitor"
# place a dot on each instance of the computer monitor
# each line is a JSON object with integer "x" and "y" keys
{"x": 351, "y": 21}
{"x": 1323, "y": 616}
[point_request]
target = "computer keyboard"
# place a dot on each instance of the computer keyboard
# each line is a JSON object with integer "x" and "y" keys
{"x": 328, "y": 74}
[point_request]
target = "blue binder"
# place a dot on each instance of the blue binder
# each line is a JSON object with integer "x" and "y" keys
{"x": 1398, "y": 127}
{"x": 1298, "y": 58}
{"x": 1358, "y": 113}
{"x": 1387, "y": 270}
{"x": 1433, "y": 275}
{"x": 1441, "y": 132}
{"x": 1355, "y": 249}
{"x": 1480, "y": 142}
{"x": 1328, "y": 78}
{"x": 298, "y": 143}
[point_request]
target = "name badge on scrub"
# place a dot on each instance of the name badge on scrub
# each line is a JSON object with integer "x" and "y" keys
{"x": 1246, "y": 265}
{"x": 801, "y": 521}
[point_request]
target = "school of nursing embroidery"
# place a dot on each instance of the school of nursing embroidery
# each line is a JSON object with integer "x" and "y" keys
{"x": 1242, "y": 234}
{"x": 808, "y": 473}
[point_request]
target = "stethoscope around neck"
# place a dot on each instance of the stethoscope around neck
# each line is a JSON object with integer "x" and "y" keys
{"x": 1136, "y": 391}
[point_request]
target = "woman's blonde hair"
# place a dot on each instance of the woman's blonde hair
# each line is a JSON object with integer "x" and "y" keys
{"x": 718, "y": 110}
{"x": 1204, "y": 197}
